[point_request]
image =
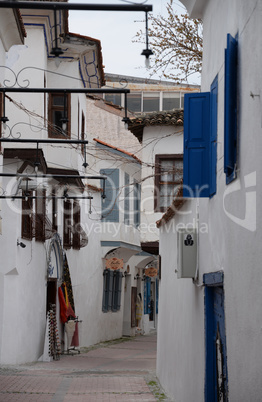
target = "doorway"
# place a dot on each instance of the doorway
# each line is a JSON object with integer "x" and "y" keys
{"x": 216, "y": 382}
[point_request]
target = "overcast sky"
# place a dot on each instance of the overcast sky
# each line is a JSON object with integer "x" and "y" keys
{"x": 116, "y": 30}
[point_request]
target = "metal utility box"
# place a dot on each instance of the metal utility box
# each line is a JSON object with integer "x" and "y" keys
{"x": 186, "y": 253}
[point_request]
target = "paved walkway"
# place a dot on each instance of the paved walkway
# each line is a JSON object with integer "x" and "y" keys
{"x": 113, "y": 371}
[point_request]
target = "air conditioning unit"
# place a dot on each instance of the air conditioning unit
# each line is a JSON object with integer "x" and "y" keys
{"x": 186, "y": 253}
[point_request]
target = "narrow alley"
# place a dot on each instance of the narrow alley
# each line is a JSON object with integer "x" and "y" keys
{"x": 122, "y": 370}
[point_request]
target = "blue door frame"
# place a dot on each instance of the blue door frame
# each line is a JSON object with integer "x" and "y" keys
{"x": 216, "y": 378}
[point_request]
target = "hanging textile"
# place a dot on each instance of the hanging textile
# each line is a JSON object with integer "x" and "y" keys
{"x": 66, "y": 310}
{"x": 67, "y": 281}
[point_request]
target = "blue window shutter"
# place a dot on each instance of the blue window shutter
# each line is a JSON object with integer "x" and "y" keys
{"x": 110, "y": 205}
{"x": 126, "y": 200}
{"x": 110, "y": 290}
{"x": 106, "y": 274}
{"x": 230, "y": 104}
{"x": 213, "y": 136}
{"x": 147, "y": 291}
{"x": 197, "y": 145}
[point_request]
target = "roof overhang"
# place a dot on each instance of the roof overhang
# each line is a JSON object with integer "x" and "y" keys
{"x": 195, "y": 8}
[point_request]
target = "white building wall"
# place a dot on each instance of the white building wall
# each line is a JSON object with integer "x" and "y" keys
{"x": 156, "y": 140}
{"x": 232, "y": 219}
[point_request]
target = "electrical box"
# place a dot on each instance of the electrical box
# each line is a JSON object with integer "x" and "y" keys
{"x": 186, "y": 253}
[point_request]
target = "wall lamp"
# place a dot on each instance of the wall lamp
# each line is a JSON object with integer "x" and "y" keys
{"x": 137, "y": 277}
{"x": 19, "y": 243}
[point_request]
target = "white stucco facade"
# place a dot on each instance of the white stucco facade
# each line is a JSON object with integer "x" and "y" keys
{"x": 228, "y": 229}
{"x": 25, "y": 276}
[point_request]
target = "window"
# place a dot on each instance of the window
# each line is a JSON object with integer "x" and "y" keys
{"x": 230, "y": 105}
{"x": 134, "y": 102}
{"x": 34, "y": 215}
{"x": 114, "y": 98}
{"x": 168, "y": 177}
{"x": 40, "y": 215}
{"x": 72, "y": 226}
{"x": 151, "y": 101}
{"x": 76, "y": 225}
{"x": 110, "y": 204}
{"x": 54, "y": 210}
{"x": 126, "y": 200}
{"x": 112, "y": 290}
{"x": 27, "y": 216}
{"x": 67, "y": 224}
{"x": 171, "y": 100}
{"x": 200, "y": 143}
{"x": 59, "y": 113}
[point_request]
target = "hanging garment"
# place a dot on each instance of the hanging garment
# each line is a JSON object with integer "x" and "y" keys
{"x": 75, "y": 340}
{"x": 66, "y": 311}
{"x": 70, "y": 327}
{"x": 139, "y": 308}
{"x": 67, "y": 281}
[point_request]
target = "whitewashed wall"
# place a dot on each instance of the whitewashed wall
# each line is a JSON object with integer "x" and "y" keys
{"x": 156, "y": 140}
{"x": 231, "y": 243}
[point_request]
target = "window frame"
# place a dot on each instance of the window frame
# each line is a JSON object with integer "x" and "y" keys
{"x": 27, "y": 216}
{"x": 40, "y": 215}
{"x": 67, "y": 224}
{"x": 76, "y": 225}
{"x": 230, "y": 108}
{"x": 112, "y": 289}
{"x": 158, "y": 159}
{"x": 52, "y": 108}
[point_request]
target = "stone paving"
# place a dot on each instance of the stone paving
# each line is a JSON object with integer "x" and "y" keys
{"x": 114, "y": 371}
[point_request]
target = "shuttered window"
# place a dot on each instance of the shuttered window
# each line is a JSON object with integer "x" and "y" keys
{"x": 117, "y": 289}
{"x": 197, "y": 145}
{"x": 230, "y": 105}
{"x": 200, "y": 143}
{"x": 110, "y": 205}
{"x": 112, "y": 287}
{"x": 213, "y": 133}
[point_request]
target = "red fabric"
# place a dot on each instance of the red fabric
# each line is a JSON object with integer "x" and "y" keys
{"x": 65, "y": 311}
{"x": 75, "y": 339}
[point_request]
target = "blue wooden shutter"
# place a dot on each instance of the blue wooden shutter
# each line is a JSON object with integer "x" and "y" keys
{"x": 106, "y": 274}
{"x": 213, "y": 136}
{"x": 126, "y": 200}
{"x": 137, "y": 198}
{"x": 110, "y": 205}
{"x": 147, "y": 290}
{"x": 230, "y": 133}
{"x": 110, "y": 290}
{"x": 117, "y": 291}
{"x": 197, "y": 145}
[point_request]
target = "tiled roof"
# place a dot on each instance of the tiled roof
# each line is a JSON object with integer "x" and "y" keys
{"x": 118, "y": 149}
{"x": 166, "y": 118}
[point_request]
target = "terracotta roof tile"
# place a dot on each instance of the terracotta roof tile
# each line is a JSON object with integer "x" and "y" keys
{"x": 173, "y": 117}
{"x": 118, "y": 149}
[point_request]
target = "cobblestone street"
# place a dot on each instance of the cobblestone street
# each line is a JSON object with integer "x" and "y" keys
{"x": 122, "y": 370}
